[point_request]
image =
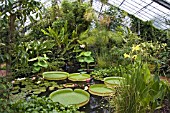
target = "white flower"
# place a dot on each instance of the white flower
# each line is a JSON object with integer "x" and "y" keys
{"x": 21, "y": 79}
{"x": 82, "y": 46}
{"x": 38, "y": 82}
{"x": 86, "y": 88}
{"x": 33, "y": 78}
{"x": 13, "y": 82}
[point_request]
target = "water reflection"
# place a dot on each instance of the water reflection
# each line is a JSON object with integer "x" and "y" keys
{"x": 97, "y": 105}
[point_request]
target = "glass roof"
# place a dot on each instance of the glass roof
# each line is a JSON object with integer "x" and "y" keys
{"x": 145, "y": 10}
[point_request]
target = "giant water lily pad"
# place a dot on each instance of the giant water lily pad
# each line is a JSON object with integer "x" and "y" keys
{"x": 113, "y": 81}
{"x": 100, "y": 90}
{"x": 55, "y": 75}
{"x": 67, "y": 96}
{"x": 78, "y": 77}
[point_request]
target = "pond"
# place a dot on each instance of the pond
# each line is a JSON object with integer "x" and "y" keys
{"x": 96, "y": 104}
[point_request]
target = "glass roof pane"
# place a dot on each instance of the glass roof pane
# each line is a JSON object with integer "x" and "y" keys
{"x": 144, "y": 13}
{"x": 143, "y": 16}
{"x": 135, "y": 5}
{"x": 149, "y": 13}
{"x": 97, "y": 6}
{"x": 145, "y": 1}
{"x": 130, "y": 6}
{"x": 167, "y": 1}
{"x": 115, "y": 2}
{"x": 127, "y": 9}
{"x": 159, "y": 7}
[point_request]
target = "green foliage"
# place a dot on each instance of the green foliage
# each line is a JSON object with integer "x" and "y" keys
{"x": 3, "y": 54}
{"x": 5, "y": 87}
{"x": 60, "y": 37}
{"x": 148, "y": 31}
{"x": 36, "y": 104}
{"x": 33, "y": 50}
{"x": 15, "y": 13}
{"x": 63, "y": 43}
{"x": 74, "y": 13}
{"x": 41, "y": 62}
{"x": 100, "y": 41}
{"x": 141, "y": 91}
{"x": 22, "y": 87}
{"x": 38, "y": 47}
{"x": 100, "y": 74}
{"x": 55, "y": 65}
{"x": 21, "y": 9}
{"x": 85, "y": 58}
{"x": 23, "y": 71}
{"x": 100, "y": 37}
{"x": 165, "y": 62}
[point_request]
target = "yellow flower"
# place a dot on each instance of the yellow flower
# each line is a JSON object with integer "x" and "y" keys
{"x": 135, "y": 48}
{"x": 134, "y": 56}
{"x": 126, "y": 56}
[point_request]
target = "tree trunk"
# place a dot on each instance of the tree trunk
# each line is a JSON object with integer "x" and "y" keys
{"x": 10, "y": 39}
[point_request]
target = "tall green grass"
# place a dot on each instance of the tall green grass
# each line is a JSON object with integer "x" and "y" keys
{"x": 141, "y": 92}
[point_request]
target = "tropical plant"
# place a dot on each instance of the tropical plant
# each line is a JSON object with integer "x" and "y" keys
{"x": 85, "y": 58}
{"x": 33, "y": 50}
{"x": 140, "y": 92}
{"x": 63, "y": 42}
{"x": 41, "y": 62}
{"x": 100, "y": 41}
{"x": 74, "y": 13}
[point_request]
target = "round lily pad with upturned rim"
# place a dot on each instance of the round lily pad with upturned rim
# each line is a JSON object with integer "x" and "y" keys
{"x": 55, "y": 75}
{"x": 113, "y": 81}
{"x": 69, "y": 85}
{"x": 67, "y": 96}
{"x": 100, "y": 90}
{"x": 78, "y": 77}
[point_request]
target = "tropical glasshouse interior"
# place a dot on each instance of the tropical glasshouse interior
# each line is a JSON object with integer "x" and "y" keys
{"x": 84, "y": 56}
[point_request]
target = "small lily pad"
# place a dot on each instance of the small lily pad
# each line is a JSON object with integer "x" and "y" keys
{"x": 16, "y": 87}
{"x": 67, "y": 85}
{"x": 16, "y": 82}
{"x": 42, "y": 90}
{"x": 51, "y": 88}
{"x": 78, "y": 77}
{"x": 100, "y": 90}
{"x": 55, "y": 75}
{"x": 55, "y": 85}
{"x": 67, "y": 96}
{"x": 15, "y": 91}
{"x": 113, "y": 81}
{"x": 36, "y": 92}
{"x": 24, "y": 89}
{"x": 47, "y": 84}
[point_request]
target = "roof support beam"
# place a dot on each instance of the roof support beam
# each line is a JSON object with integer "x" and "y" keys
{"x": 163, "y": 3}
{"x": 121, "y": 3}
